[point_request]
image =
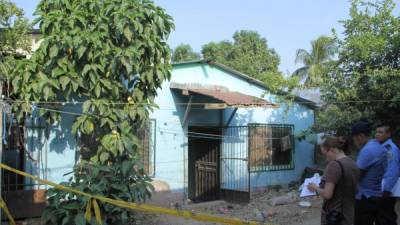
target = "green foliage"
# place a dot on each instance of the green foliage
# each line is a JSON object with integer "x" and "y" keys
{"x": 315, "y": 62}
{"x": 89, "y": 49}
{"x": 103, "y": 53}
{"x": 364, "y": 81}
{"x": 220, "y": 52}
{"x": 184, "y": 53}
{"x": 249, "y": 54}
{"x": 13, "y": 36}
{"x": 14, "y": 28}
{"x": 120, "y": 180}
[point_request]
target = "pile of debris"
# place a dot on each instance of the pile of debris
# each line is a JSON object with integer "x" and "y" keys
{"x": 273, "y": 205}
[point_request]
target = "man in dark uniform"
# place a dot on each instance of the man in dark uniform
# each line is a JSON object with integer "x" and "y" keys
{"x": 371, "y": 161}
{"x": 392, "y": 172}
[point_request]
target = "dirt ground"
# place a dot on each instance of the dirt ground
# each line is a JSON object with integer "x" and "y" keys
{"x": 259, "y": 209}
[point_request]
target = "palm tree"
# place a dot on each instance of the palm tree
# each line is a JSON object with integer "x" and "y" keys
{"x": 322, "y": 51}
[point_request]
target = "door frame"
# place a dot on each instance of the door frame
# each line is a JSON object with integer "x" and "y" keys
{"x": 193, "y": 133}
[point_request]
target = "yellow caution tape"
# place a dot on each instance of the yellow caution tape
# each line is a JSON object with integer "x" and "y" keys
{"x": 88, "y": 212}
{"x": 5, "y": 209}
{"x": 129, "y": 205}
{"x": 97, "y": 211}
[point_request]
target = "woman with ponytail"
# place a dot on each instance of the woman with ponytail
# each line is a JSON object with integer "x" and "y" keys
{"x": 338, "y": 184}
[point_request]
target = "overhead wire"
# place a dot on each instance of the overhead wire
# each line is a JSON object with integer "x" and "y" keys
{"x": 155, "y": 107}
{"x": 214, "y": 136}
{"x": 64, "y": 112}
{"x": 193, "y": 103}
{"x": 120, "y": 103}
{"x": 188, "y": 133}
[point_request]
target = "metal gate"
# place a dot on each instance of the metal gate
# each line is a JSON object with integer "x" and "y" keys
{"x": 204, "y": 150}
{"x": 24, "y": 197}
{"x": 13, "y": 155}
{"x": 242, "y": 150}
{"x": 235, "y": 172}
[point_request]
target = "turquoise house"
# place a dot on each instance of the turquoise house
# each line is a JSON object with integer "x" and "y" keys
{"x": 217, "y": 134}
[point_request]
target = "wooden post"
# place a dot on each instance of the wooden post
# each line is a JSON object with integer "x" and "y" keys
{"x": 186, "y": 116}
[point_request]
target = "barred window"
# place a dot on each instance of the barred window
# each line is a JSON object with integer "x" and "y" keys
{"x": 147, "y": 135}
{"x": 88, "y": 144}
{"x": 271, "y": 147}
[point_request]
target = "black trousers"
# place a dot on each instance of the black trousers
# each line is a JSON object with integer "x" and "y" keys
{"x": 374, "y": 209}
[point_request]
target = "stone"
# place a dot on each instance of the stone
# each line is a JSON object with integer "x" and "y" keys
{"x": 223, "y": 210}
{"x": 258, "y": 215}
{"x": 283, "y": 200}
{"x": 305, "y": 204}
{"x": 270, "y": 213}
{"x": 160, "y": 186}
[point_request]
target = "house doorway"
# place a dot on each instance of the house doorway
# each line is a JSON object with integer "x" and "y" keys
{"x": 24, "y": 197}
{"x": 204, "y": 145}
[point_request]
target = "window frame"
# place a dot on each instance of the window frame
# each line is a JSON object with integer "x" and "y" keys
{"x": 151, "y": 149}
{"x": 271, "y": 167}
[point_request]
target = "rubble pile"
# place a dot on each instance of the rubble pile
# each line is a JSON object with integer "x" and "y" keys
{"x": 274, "y": 205}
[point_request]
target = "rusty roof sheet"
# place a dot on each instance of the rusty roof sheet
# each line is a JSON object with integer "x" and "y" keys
{"x": 297, "y": 98}
{"x": 230, "y": 98}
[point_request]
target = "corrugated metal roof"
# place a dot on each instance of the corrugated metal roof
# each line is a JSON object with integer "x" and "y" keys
{"x": 230, "y": 98}
{"x": 297, "y": 98}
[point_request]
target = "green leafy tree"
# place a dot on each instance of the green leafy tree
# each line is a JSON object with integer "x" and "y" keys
{"x": 249, "y": 54}
{"x": 113, "y": 56}
{"x": 364, "y": 81}
{"x": 252, "y": 55}
{"x": 315, "y": 61}
{"x": 220, "y": 52}
{"x": 184, "y": 53}
{"x": 14, "y": 28}
{"x": 14, "y": 40}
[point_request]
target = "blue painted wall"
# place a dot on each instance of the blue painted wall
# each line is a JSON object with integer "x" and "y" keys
{"x": 57, "y": 147}
{"x": 171, "y": 142}
{"x": 52, "y": 148}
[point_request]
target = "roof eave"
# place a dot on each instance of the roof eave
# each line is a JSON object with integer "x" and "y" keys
{"x": 297, "y": 98}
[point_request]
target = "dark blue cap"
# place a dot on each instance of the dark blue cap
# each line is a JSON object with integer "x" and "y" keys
{"x": 361, "y": 128}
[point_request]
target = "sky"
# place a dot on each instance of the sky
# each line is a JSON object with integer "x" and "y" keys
{"x": 286, "y": 24}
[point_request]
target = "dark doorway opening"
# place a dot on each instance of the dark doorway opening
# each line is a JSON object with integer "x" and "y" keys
{"x": 203, "y": 163}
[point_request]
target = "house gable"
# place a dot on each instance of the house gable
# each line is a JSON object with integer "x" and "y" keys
{"x": 207, "y": 66}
